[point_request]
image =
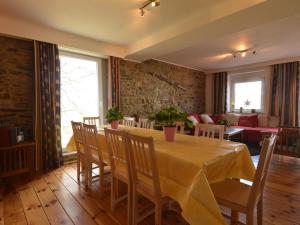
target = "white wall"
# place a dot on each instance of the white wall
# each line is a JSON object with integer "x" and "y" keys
{"x": 25, "y": 29}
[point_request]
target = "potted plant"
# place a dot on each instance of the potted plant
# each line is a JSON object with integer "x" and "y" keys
{"x": 166, "y": 118}
{"x": 113, "y": 116}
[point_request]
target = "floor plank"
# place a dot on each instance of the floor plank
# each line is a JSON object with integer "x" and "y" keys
{"x": 54, "y": 211}
{"x": 77, "y": 213}
{"x": 34, "y": 212}
{"x": 1, "y": 207}
{"x": 13, "y": 209}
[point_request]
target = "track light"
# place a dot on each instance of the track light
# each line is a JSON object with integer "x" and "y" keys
{"x": 153, "y": 3}
{"x": 244, "y": 53}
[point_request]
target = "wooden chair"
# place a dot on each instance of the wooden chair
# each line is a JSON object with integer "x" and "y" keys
{"x": 243, "y": 198}
{"x": 145, "y": 177}
{"x": 180, "y": 127}
{"x": 145, "y": 123}
{"x": 94, "y": 154}
{"x": 288, "y": 141}
{"x": 94, "y": 120}
{"x": 120, "y": 167}
{"x": 209, "y": 130}
{"x": 81, "y": 154}
{"x": 129, "y": 121}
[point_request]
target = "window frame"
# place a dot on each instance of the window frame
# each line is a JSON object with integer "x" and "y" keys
{"x": 98, "y": 60}
{"x": 251, "y": 76}
{"x": 100, "y": 98}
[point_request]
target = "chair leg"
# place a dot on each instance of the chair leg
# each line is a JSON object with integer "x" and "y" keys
{"x": 135, "y": 207}
{"x": 90, "y": 174}
{"x": 78, "y": 167}
{"x": 130, "y": 208}
{"x": 234, "y": 217}
{"x": 250, "y": 218}
{"x": 158, "y": 212}
{"x": 86, "y": 172}
{"x": 112, "y": 193}
{"x": 260, "y": 212}
{"x": 101, "y": 180}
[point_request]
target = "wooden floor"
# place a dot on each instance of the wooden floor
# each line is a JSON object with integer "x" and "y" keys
{"x": 57, "y": 198}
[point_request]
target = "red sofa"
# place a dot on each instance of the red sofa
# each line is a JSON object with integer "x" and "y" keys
{"x": 253, "y": 133}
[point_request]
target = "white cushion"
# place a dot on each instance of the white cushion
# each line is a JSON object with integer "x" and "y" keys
{"x": 193, "y": 119}
{"x": 206, "y": 118}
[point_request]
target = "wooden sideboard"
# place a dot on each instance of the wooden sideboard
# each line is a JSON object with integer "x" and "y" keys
{"x": 17, "y": 159}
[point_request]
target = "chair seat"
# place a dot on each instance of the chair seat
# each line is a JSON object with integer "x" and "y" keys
{"x": 232, "y": 193}
{"x": 145, "y": 186}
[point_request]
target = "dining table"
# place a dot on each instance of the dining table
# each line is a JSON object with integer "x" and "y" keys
{"x": 189, "y": 165}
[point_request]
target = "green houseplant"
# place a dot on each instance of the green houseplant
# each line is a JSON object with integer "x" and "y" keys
{"x": 167, "y": 118}
{"x": 113, "y": 116}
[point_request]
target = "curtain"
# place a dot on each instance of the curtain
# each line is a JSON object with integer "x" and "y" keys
{"x": 284, "y": 95}
{"x": 113, "y": 82}
{"x": 47, "y": 116}
{"x": 219, "y": 92}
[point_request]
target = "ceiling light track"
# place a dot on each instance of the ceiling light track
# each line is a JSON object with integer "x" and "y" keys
{"x": 153, "y": 3}
{"x": 244, "y": 53}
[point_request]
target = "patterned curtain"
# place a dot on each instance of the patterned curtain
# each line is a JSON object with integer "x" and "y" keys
{"x": 114, "y": 81}
{"x": 47, "y": 118}
{"x": 284, "y": 96}
{"x": 219, "y": 92}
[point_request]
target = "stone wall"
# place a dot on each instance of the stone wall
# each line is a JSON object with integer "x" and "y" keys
{"x": 17, "y": 80}
{"x": 143, "y": 92}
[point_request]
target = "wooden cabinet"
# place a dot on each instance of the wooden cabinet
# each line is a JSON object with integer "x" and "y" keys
{"x": 17, "y": 159}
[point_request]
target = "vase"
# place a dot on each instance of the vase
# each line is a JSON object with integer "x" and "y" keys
{"x": 169, "y": 133}
{"x": 114, "y": 124}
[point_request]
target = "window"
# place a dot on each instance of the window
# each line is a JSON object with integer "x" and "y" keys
{"x": 81, "y": 89}
{"x": 247, "y": 91}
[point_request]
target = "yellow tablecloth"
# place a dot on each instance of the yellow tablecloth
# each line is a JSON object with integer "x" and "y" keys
{"x": 187, "y": 167}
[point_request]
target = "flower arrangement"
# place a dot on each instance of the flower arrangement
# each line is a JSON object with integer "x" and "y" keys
{"x": 113, "y": 116}
{"x": 167, "y": 117}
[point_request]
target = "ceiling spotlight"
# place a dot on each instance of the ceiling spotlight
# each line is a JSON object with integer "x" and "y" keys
{"x": 153, "y": 3}
{"x": 142, "y": 12}
{"x": 244, "y": 54}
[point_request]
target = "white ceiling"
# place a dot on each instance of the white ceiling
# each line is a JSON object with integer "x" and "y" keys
{"x": 193, "y": 33}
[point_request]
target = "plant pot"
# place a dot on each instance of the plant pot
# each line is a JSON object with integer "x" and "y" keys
{"x": 169, "y": 133}
{"x": 114, "y": 124}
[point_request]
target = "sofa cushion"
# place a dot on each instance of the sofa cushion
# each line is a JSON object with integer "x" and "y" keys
{"x": 206, "y": 118}
{"x": 196, "y": 116}
{"x": 248, "y": 121}
{"x": 193, "y": 119}
{"x": 217, "y": 117}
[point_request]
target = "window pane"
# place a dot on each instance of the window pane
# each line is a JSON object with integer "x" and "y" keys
{"x": 79, "y": 92}
{"x": 248, "y": 95}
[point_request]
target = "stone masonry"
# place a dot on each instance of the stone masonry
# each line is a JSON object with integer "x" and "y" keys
{"x": 143, "y": 93}
{"x": 17, "y": 80}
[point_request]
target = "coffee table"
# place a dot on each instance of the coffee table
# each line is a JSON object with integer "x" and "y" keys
{"x": 231, "y": 131}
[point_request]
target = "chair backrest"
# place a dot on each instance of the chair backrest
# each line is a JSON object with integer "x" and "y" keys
{"x": 78, "y": 136}
{"x": 129, "y": 121}
{"x": 209, "y": 130}
{"x": 288, "y": 142}
{"x": 143, "y": 161}
{"x": 266, "y": 153}
{"x": 145, "y": 123}
{"x": 91, "y": 142}
{"x": 180, "y": 127}
{"x": 93, "y": 120}
{"x": 117, "y": 149}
